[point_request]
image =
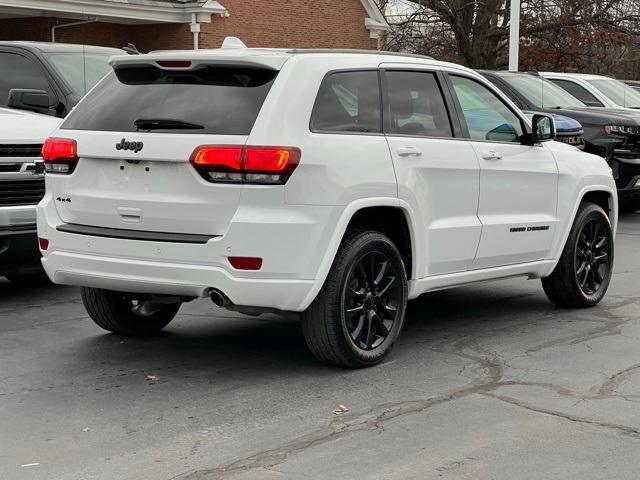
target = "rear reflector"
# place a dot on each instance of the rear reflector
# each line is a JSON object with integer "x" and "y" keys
{"x": 60, "y": 155}
{"x": 246, "y": 263}
{"x": 175, "y": 63}
{"x": 253, "y": 165}
{"x": 44, "y": 243}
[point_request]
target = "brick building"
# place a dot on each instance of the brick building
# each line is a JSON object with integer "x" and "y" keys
{"x": 186, "y": 24}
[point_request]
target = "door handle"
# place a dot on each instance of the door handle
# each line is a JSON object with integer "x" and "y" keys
{"x": 409, "y": 152}
{"x": 491, "y": 155}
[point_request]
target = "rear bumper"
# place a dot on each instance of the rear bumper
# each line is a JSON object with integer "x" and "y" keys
{"x": 138, "y": 276}
{"x": 291, "y": 241}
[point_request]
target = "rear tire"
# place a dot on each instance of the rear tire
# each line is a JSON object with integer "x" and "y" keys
{"x": 113, "y": 311}
{"x": 583, "y": 274}
{"x": 359, "y": 313}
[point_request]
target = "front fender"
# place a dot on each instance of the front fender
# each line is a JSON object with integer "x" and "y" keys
{"x": 573, "y": 211}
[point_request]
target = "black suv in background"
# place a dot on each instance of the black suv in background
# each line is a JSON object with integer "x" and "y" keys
{"x": 611, "y": 133}
{"x": 50, "y": 78}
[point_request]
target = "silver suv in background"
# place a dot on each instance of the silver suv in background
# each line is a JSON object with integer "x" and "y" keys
{"x": 21, "y": 188}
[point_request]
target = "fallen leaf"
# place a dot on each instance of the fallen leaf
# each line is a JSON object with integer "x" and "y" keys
{"x": 340, "y": 410}
{"x": 153, "y": 378}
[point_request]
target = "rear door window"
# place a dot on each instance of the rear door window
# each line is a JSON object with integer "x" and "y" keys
{"x": 416, "y": 106}
{"x": 216, "y": 100}
{"x": 348, "y": 102}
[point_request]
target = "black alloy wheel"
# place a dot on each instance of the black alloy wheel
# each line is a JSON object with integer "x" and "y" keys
{"x": 371, "y": 299}
{"x": 593, "y": 257}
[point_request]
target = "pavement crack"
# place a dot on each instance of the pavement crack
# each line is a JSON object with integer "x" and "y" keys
{"x": 370, "y": 420}
{"x": 623, "y": 429}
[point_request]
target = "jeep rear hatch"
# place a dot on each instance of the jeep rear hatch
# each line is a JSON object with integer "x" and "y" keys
{"x": 135, "y": 134}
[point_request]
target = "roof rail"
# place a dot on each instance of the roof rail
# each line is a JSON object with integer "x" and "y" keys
{"x": 349, "y": 50}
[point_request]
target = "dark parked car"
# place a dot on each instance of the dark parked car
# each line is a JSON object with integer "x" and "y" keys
{"x": 611, "y": 133}
{"x": 50, "y": 78}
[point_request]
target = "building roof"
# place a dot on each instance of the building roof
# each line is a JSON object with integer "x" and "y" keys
{"x": 142, "y": 11}
{"x": 118, "y": 11}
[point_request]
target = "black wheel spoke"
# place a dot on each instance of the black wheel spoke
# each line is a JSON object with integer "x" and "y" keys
{"x": 358, "y": 329}
{"x": 597, "y": 279}
{"x": 382, "y": 328}
{"x": 602, "y": 258}
{"x": 369, "y": 336}
{"x": 581, "y": 268}
{"x": 585, "y": 275}
{"x": 383, "y": 270}
{"x": 382, "y": 292}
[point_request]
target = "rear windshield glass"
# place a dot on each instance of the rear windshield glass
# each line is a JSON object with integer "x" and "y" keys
{"x": 209, "y": 100}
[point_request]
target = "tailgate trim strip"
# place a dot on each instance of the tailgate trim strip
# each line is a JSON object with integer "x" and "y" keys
{"x": 125, "y": 234}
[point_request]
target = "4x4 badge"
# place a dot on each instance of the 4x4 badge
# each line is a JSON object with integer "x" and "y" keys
{"x": 124, "y": 145}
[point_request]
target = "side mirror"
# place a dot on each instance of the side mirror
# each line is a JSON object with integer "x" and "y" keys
{"x": 33, "y": 100}
{"x": 543, "y": 128}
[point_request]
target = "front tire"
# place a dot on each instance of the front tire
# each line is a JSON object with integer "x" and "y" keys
{"x": 115, "y": 312}
{"x": 359, "y": 313}
{"x": 583, "y": 274}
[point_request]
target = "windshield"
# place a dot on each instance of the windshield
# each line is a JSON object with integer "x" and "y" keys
{"x": 81, "y": 70}
{"x": 617, "y": 92}
{"x": 540, "y": 92}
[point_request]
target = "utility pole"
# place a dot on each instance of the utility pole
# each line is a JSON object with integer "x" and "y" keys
{"x": 514, "y": 36}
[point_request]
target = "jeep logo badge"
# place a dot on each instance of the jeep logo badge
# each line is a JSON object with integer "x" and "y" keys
{"x": 124, "y": 145}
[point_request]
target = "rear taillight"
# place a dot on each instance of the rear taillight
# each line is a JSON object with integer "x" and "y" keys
{"x": 253, "y": 165}
{"x": 60, "y": 155}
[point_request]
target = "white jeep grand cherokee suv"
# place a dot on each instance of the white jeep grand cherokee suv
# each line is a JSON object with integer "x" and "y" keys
{"x": 336, "y": 184}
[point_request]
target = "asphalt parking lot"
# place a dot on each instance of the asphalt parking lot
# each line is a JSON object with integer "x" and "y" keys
{"x": 488, "y": 382}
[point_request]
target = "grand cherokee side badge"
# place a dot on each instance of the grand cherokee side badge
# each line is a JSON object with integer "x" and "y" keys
{"x": 124, "y": 145}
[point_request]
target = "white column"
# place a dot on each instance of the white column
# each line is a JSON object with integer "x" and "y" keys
{"x": 195, "y": 29}
{"x": 514, "y": 36}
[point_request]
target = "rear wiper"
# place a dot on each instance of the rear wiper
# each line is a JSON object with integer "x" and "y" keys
{"x": 165, "y": 124}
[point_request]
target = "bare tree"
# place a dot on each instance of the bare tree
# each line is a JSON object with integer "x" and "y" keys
{"x": 475, "y": 32}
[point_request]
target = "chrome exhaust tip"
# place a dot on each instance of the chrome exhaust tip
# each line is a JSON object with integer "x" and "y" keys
{"x": 219, "y": 298}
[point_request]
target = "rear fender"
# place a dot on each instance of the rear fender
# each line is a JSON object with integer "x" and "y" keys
{"x": 417, "y": 238}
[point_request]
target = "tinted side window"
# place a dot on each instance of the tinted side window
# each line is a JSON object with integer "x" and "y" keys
{"x": 579, "y": 92}
{"x": 348, "y": 102}
{"x": 416, "y": 106}
{"x": 487, "y": 117}
{"x": 17, "y": 71}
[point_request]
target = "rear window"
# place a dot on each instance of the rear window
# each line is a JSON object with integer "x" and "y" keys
{"x": 210, "y": 100}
